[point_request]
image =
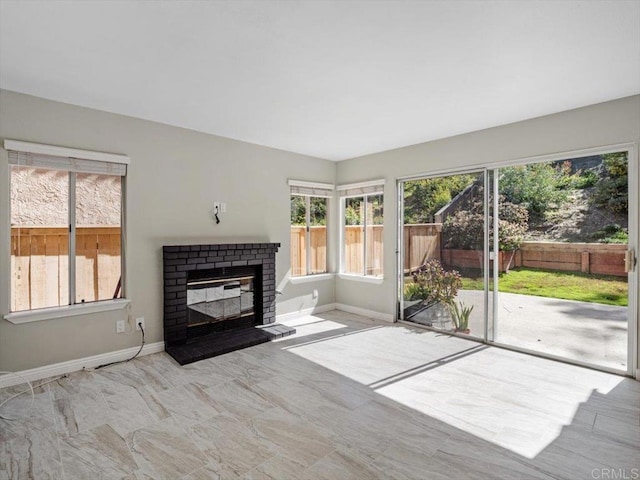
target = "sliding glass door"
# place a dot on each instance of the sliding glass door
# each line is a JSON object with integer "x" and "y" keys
{"x": 442, "y": 241}
{"x": 562, "y": 246}
{"x": 535, "y": 256}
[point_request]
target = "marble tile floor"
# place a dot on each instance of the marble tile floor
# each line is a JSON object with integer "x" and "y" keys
{"x": 347, "y": 397}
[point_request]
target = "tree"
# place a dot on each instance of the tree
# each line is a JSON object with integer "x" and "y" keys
{"x": 423, "y": 198}
{"x": 317, "y": 211}
{"x": 612, "y": 190}
{"x": 354, "y": 210}
{"x": 465, "y": 229}
{"x": 536, "y": 186}
{"x": 298, "y": 208}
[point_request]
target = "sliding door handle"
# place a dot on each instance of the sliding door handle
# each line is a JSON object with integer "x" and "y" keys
{"x": 629, "y": 261}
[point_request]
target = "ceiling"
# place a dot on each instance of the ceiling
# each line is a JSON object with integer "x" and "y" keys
{"x": 332, "y": 79}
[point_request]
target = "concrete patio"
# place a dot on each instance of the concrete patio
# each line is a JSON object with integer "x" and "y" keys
{"x": 587, "y": 332}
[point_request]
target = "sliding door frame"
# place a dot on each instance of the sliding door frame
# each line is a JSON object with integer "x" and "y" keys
{"x": 400, "y": 238}
{"x": 490, "y": 179}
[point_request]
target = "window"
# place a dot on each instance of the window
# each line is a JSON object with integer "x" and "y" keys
{"x": 362, "y": 228}
{"x": 66, "y": 226}
{"x": 309, "y": 215}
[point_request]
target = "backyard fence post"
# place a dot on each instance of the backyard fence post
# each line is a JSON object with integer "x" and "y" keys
{"x": 585, "y": 262}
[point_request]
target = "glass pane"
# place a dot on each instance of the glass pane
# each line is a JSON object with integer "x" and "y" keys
{"x": 563, "y": 234}
{"x": 98, "y": 237}
{"x": 217, "y": 300}
{"x": 354, "y": 235}
{"x": 318, "y": 232}
{"x": 443, "y": 234}
{"x": 298, "y": 236}
{"x": 39, "y": 238}
{"x": 374, "y": 241}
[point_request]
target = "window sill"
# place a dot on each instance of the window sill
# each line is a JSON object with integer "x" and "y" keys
{"x": 311, "y": 278}
{"x": 66, "y": 311}
{"x": 361, "y": 278}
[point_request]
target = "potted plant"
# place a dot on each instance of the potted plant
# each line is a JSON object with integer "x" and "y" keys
{"x": 434, "y": 284}
{"x": 432, "y": 289}
{"x": 460, "y": 314}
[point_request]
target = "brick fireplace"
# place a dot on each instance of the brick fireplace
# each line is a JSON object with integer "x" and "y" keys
{"x": 219, "y": 298}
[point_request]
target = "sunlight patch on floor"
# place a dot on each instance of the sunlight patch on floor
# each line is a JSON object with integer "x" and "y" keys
{"x": 512, "y": 400}
{"x": 309, "y": 325}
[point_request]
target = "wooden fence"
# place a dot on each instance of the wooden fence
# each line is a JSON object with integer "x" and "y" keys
{"x": 40, "y": 265}
{"x": 40, "y": 261}
{"x": 596, "y": 258}
{"x": 421, "y": 241}
{"x": 353, "y": 251}
{"x": 318, "y": 244}
{"x": 473, "y": 259}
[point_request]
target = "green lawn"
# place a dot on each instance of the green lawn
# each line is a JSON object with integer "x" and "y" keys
{"x": 565, "y": 285}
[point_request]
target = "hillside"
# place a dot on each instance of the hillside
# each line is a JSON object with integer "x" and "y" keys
{"x": 578, "y": 220}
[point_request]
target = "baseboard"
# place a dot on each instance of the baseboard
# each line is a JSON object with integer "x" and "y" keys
{"x": 385, "y": 317}
{"x": 307, "y": 311}
{"x": 61, "y": 368}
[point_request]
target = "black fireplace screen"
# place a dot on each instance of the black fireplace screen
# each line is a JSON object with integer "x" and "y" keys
{"x": 216, "y": 300}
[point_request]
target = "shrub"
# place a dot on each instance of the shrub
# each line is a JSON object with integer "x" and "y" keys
{"x": 423, "y": 198}
{"x": 621, "y": 237}
{"x": 613, "y": 233}
{"x": 510, "y": 235}
{"x": 436, "y": 284}
{"x": 465, "y": 229}
{"x": 613, "y": 228}
{"x": 612, "y": 191}
{"x": 512, "y": 213}
{"x": 580, "y": 179}
{"x": 536, "y": 186}
{"x": 587, "y": 179}
{"x": 414, "y": 291}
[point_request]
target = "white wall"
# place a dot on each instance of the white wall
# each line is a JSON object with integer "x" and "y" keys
{"x": 174, "y": 176}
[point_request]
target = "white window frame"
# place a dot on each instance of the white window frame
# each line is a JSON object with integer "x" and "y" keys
{"x": 73, "y": 155}
{"x": 309, "y": 190}
{"x": 356, "y": 190}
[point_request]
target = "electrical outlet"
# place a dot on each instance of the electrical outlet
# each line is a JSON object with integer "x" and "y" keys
{"x": 140, "y": 320}
{"x": 223, "y": 207}
{"x": 120, "y": 326}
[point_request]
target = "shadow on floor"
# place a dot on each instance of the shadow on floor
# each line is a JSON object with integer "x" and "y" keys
{"x": 346, "y": 397}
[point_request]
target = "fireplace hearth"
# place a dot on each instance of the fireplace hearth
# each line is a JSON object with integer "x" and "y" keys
{"x": 218, "y": 298}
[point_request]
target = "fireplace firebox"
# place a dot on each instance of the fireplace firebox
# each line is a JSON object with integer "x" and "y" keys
{"x": 218, "y": 298}
{"x": 222, "y": 299}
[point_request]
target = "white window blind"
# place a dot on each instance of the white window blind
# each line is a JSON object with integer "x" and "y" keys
{"x": 67, "y": 164}
{"x": 60, "y": 158}
{"x": 372, "y": 187}
{"x": 311, "y": 189}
